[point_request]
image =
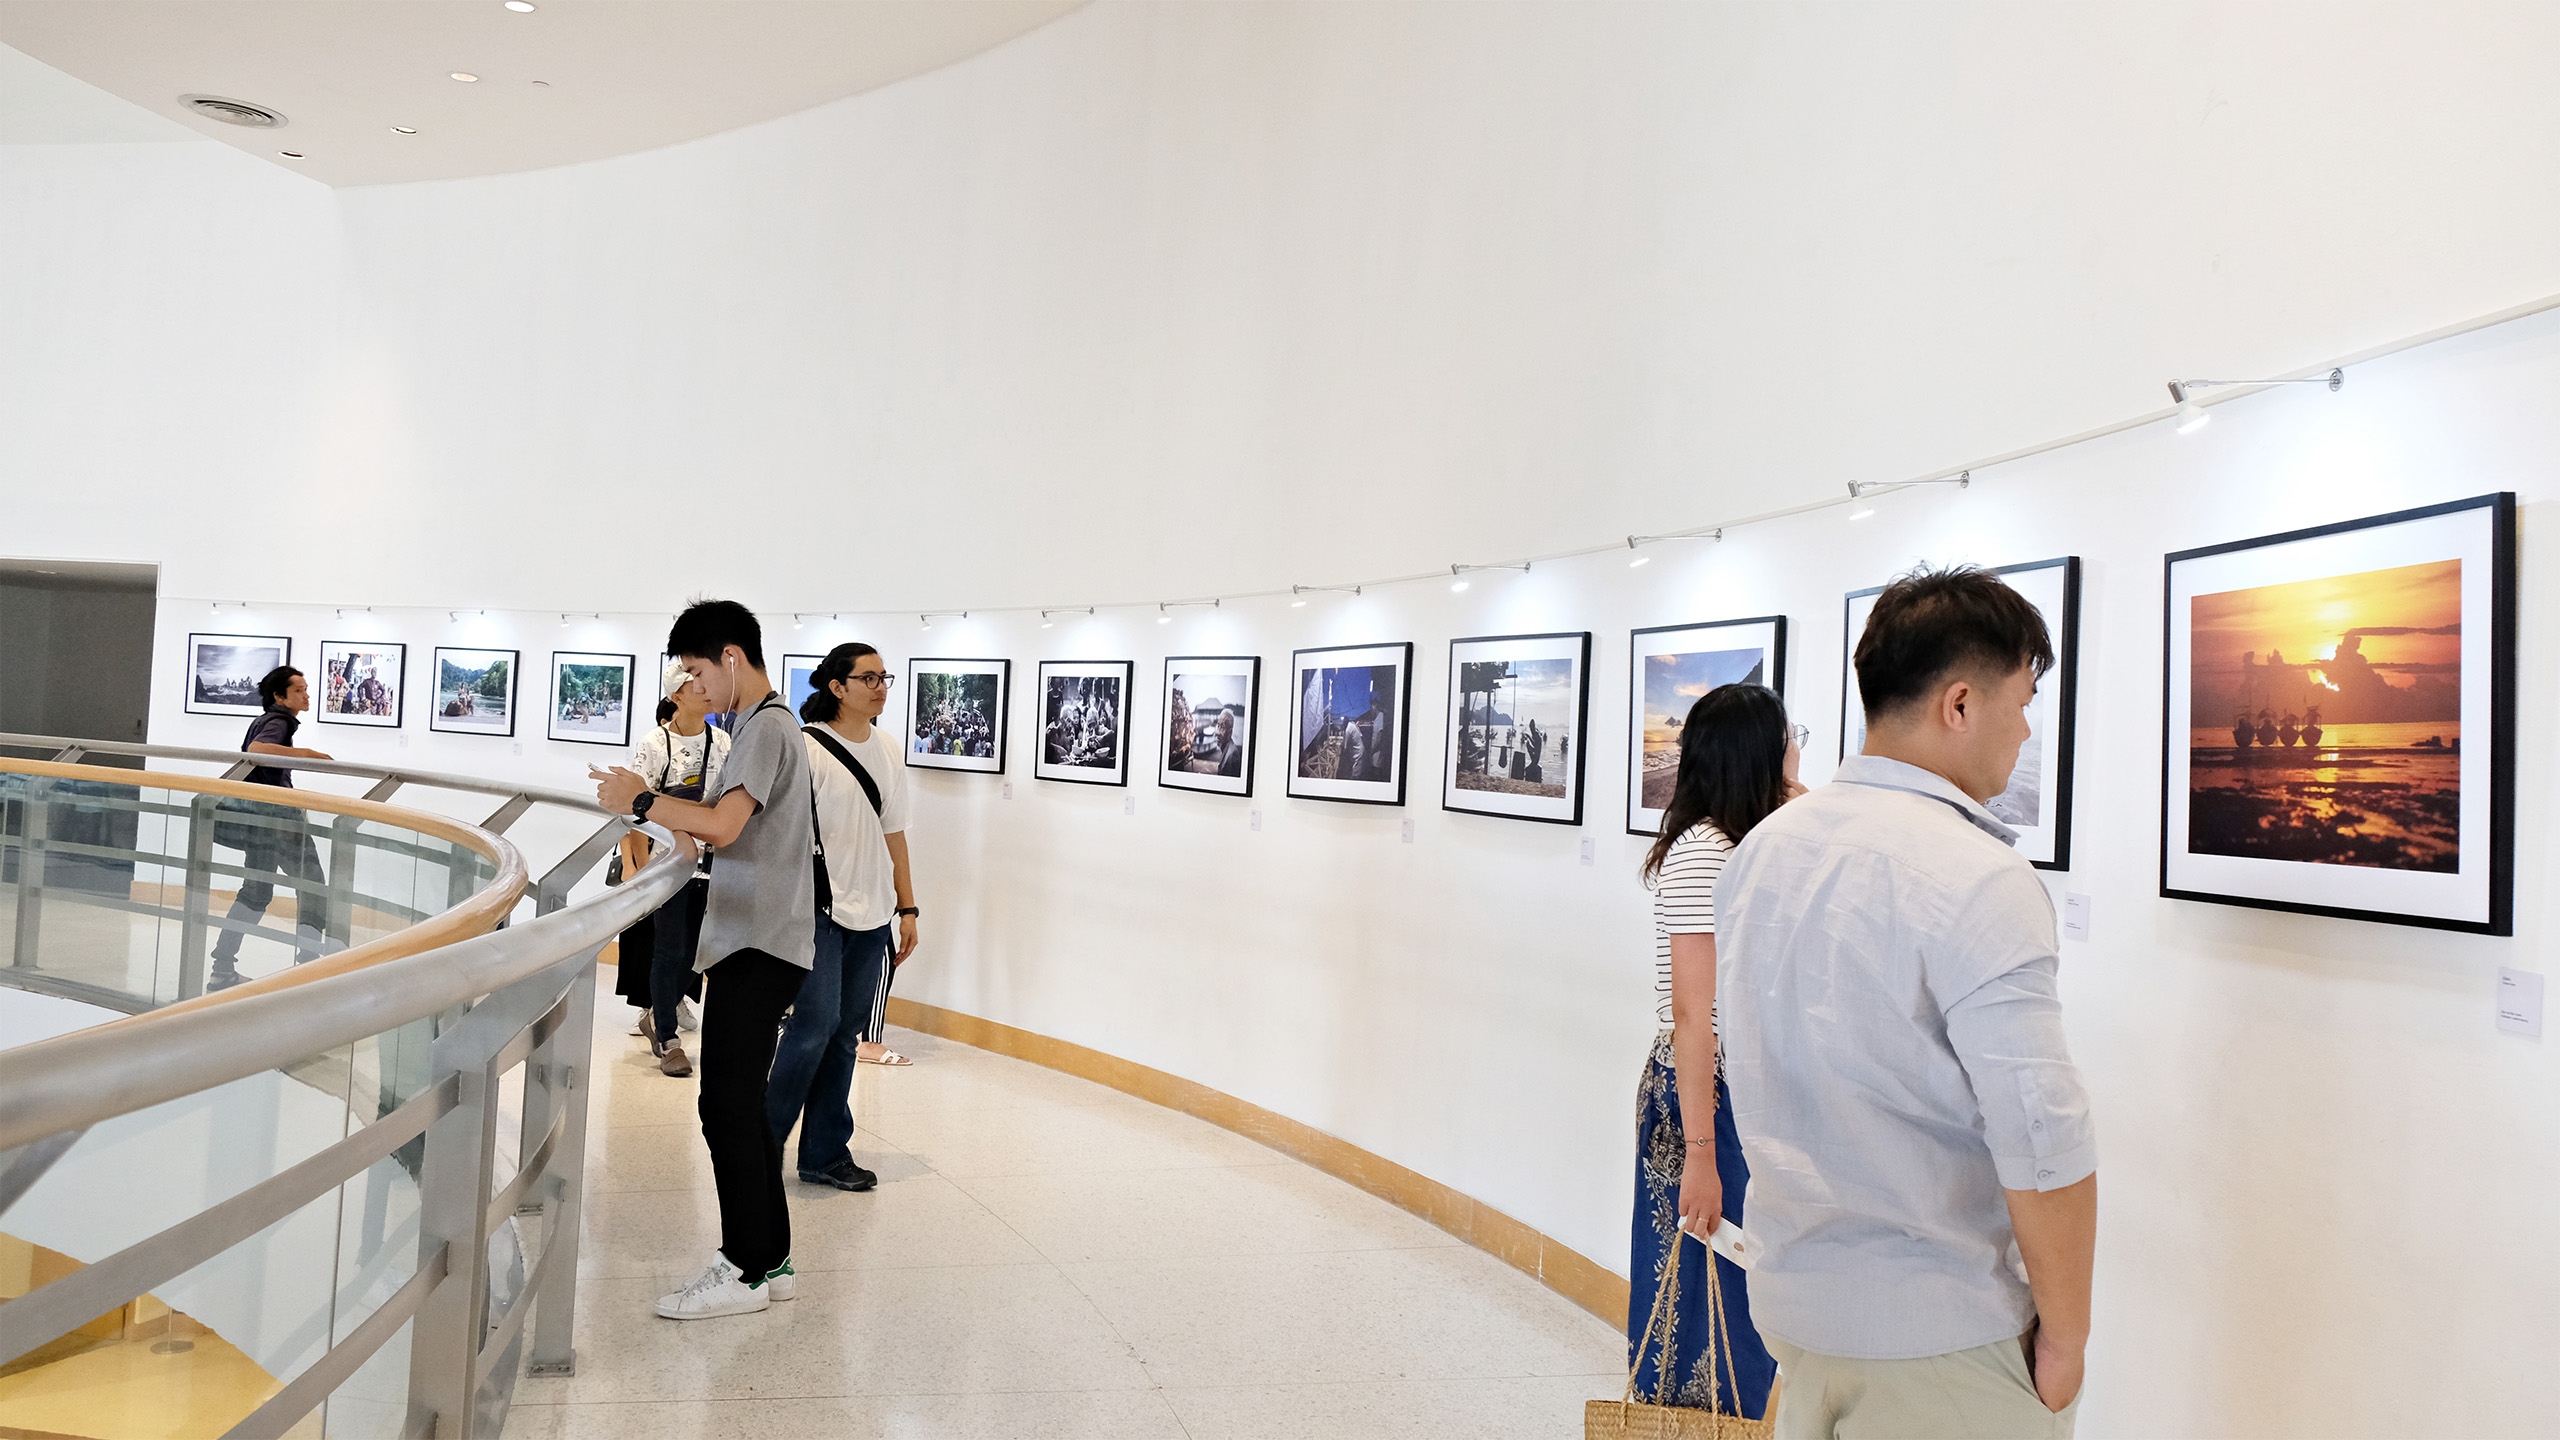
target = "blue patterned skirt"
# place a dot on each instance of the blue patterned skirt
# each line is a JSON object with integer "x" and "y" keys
{"x": 1661, "y": 1149}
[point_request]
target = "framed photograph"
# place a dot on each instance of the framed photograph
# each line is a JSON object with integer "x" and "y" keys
{"x": 475, "y": 692}
{"x": 590, "y": 697}
{"x": 1084, "y": 721}
{"x": 223, "y": 671}
{"x": 360, "y": 683}
{"x": 1212, "y": 707}
{"x": 796, "y": 670}
{"x": 1518, "y": 707}
{"x": 1668, "y": 668}
{"x": 1347, "y": 722}
{"x": 956, "y": 713}
{"x": 2037, "y": 803}
{"x": 2339, "y": 737}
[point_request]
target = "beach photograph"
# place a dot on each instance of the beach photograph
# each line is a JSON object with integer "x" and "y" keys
{"x": 1673, "y": 683}
{"x": 2325, "y": 725}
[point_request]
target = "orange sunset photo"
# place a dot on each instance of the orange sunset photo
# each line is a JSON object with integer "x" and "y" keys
{"x": 2326, "y": 723}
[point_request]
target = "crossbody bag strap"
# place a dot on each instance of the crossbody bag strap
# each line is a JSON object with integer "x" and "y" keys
{"x": 844, "y": 757}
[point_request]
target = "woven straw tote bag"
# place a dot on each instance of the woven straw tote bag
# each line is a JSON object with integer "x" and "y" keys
{"x": 1628, "y": 1418}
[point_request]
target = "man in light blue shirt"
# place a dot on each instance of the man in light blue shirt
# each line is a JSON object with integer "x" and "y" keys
{"x": 1923, "y": 1166}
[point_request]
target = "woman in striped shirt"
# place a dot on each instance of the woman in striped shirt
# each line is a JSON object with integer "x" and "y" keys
{"x": 1737, "y": 764}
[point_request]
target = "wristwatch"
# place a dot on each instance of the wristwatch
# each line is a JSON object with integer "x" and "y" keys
{"x": 641, "y": 802}
{"x": 909, "y": 910}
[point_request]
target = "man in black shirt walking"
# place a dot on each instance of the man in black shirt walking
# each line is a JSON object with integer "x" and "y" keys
{"x": 272, "y": 837}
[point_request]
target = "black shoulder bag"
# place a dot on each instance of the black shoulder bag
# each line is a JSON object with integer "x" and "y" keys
{"x": 870, "y": 788}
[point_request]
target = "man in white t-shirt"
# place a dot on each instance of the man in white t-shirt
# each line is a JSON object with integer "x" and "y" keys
{"x": 861, "y": 783}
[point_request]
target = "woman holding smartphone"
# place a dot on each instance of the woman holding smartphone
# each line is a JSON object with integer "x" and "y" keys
{"x": 1737, "y": 764}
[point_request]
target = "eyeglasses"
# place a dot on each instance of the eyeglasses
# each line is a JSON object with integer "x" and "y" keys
{"x": 1799, "y": 734}
{"x": 877, "y": 680}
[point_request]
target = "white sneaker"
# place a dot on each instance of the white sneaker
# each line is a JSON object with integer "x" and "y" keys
{"x": 719, "y": 1290}
{"x": 687, "y": 1017}
{"x": 780, "y": 1282}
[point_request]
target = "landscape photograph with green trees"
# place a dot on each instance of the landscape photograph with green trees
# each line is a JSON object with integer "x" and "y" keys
{"x": 475, "y": 692}
{"x": 591, "y": 698}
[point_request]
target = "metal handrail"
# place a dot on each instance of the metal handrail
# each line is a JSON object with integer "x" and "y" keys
{"x": 529, "y": 993}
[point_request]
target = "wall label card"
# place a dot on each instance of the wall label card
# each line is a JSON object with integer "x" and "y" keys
{"x": 2519, "y": 1001}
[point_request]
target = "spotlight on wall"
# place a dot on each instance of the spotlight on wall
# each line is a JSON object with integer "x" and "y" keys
{"x": 1163, "y": 617}
{"x": 466, "y": 77}
{"x": 2193, "y": 416}
{"x": 1459, "y": 584}
{"x": 798, "y": 620}
{"x": 1861, "y": 514}
{"x": 1639, "y": 562}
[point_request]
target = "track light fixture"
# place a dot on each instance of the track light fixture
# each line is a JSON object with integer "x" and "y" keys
{"x": 2192, "y": 416}
{"x": 924, "y": 621}
{"x": 1303, "y": 591}
{"x": 1861, "y": 489}
{"x": 1635, "y": 542}
{"x": 1458, "y": 584}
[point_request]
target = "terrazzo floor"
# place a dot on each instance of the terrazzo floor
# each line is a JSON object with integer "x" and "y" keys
{"x": 1044, "y": 1257}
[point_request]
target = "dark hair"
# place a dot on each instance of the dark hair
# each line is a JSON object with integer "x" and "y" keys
{"x": 1931, "y": 623}
{"x": 1733, "y": 767}
{"x": 708, "y": 627}
{"x": 822, "y": 704}
{"x": 666, "y": 709}
{"x": 271, "y": 688}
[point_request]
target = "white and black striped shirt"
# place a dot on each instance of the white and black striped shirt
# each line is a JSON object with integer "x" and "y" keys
{"x": 1684, "y": 900}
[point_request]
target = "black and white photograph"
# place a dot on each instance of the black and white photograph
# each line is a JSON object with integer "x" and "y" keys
{"x": 2340, "y": 731}
{"x": 475, "y": 692}
{"x": 956, "y": 714}
{"x": 1211, "y": 706}
{"x": 590, "y": 697}
{"x": 2037, "y": 803}
{"x": 1347, "y": 723}
{"x": 223, "y": 671}
{"x": 1669, "y": 669}
{"x": 361, "y": 683}
{"x": 1518, "y": 705}
{"x": 1084, "y": 721}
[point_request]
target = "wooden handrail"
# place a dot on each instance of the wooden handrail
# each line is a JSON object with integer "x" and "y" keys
{"x": 477, "y": 915}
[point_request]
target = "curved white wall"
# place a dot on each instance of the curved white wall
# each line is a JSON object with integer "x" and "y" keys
{"x": 1164, "y": 301}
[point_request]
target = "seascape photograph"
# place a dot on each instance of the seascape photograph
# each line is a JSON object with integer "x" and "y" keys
{"x": 2325, "y": 722}
{"x": 1672, "y": 684}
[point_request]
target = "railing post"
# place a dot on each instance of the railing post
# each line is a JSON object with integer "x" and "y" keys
{"x": 199, "y": 901}
{"x": 453, "y": 1191}
{"x": 555, "y": 1314}
{"x": 31, "y": 848}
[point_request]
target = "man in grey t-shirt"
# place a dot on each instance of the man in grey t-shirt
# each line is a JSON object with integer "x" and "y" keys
{"x": 759, "y": 929}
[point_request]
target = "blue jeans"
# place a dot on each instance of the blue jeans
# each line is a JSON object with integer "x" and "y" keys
{"x": 813, "y": 1070}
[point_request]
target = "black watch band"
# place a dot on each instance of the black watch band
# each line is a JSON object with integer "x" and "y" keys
{"x": 641, "y": 802}
{"x": 909, "y": 910}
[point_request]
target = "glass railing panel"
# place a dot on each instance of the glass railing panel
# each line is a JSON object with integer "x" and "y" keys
{"x": 207, "y": 1347}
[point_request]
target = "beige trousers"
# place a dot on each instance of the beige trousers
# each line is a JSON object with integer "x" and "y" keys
{"x": 1984, "y": 1393}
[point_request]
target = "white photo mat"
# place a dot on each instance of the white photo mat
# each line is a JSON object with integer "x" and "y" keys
{"x": 1114, "y": 700}
{"x": 1202, "y": 679}
{"x": 922, "y": 736}
{"x": 2462, "y": 898}
{"x": 1563, "y": 747}
{"x": 1307, "y": 718}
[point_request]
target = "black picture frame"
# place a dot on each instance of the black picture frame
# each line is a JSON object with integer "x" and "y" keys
{"x": 437, "y": 719}
{"x": 1398, "y": 654}
{"x": 1176, "y": 666}
{"x": 320, "y": 703}
{"x": 551, "y": 720}
{"x": 2045, "y": 842}
{"x": 204, "y": 699}
{"x": 941, "y": 665}
{"x": 1456, "y": 797}
{"x": 2478, "y": 902}
{"x": 1051, "y": 672}
{"x": 1773, "y": 671}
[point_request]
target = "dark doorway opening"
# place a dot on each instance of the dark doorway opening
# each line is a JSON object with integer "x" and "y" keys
{"x": 75, "y": 662}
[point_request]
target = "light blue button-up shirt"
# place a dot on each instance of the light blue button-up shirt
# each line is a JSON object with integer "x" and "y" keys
{"x": 1894, "y": 1051}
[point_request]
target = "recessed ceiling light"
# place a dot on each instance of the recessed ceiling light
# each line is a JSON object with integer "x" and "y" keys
{"x": 402, "y": 130}
{"x": 466, "y": 77}
{"x": 521, "y": 7}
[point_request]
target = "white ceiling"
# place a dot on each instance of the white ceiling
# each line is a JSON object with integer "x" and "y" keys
{"x": 574, "y": 80}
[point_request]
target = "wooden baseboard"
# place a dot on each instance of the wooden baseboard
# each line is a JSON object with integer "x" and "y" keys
{"x": 1569, "y": 1273}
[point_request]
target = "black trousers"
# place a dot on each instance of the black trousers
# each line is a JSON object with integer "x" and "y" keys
{"x": 741, "y": 1014}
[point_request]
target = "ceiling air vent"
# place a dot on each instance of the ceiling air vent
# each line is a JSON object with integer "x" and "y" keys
{"x": 233, "y": 112}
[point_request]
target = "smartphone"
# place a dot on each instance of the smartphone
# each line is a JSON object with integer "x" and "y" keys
{"x": 1729, "y": 1240}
